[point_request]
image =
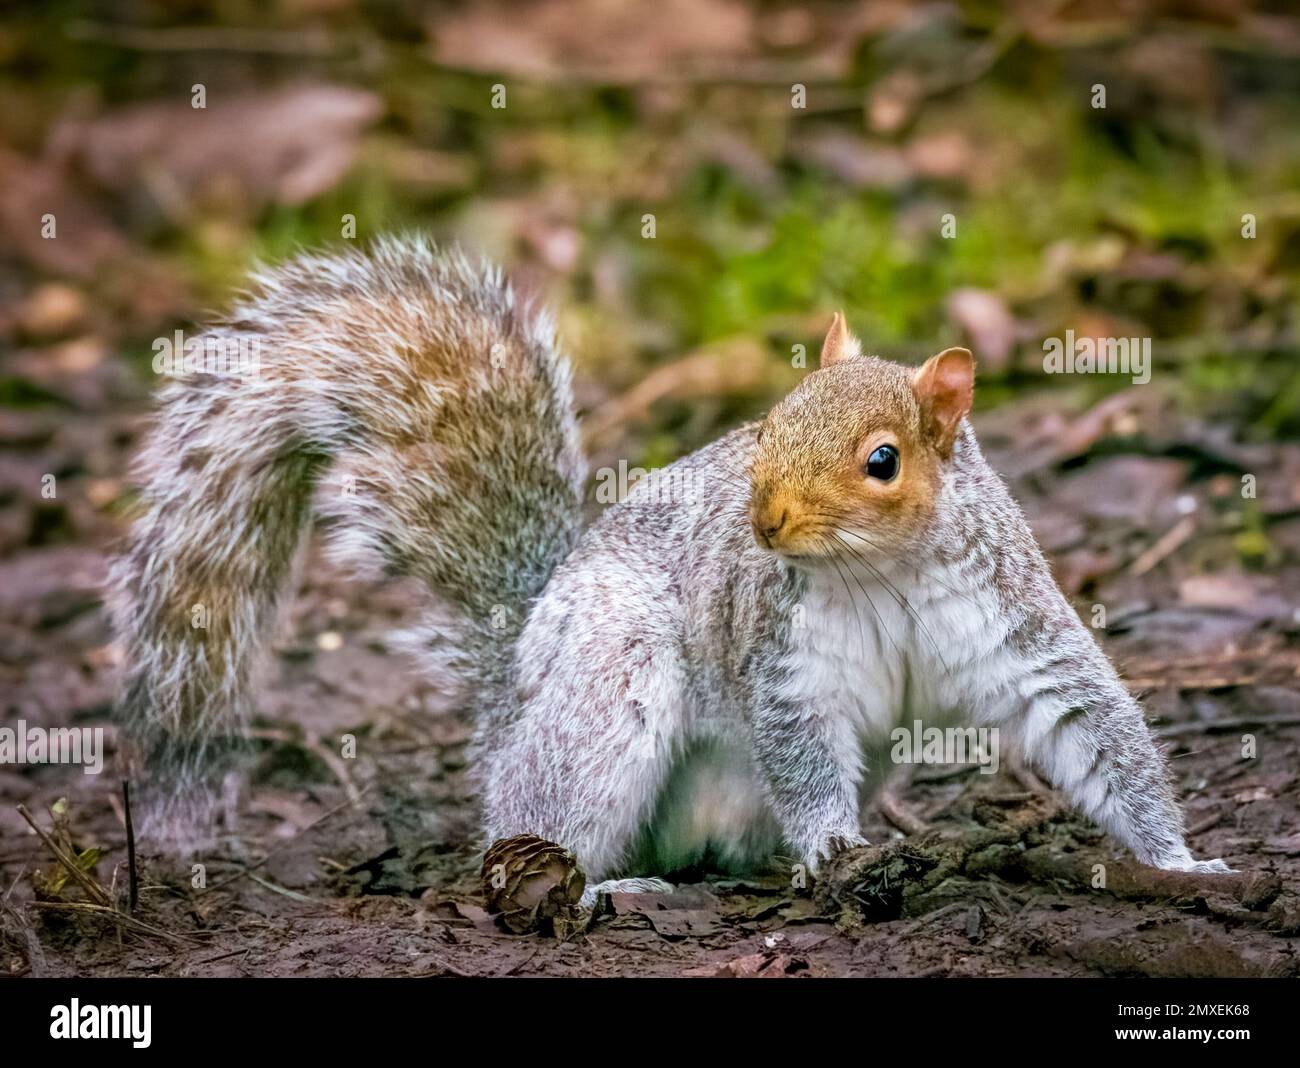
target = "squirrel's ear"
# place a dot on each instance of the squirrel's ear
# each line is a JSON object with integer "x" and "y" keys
{"x": 945, "y": 387}
{"x": 839, "y": 344}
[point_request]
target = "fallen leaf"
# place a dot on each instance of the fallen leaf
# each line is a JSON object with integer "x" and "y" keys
{"x": 285, "y": 146}
{"x": 987, "y": 323}
{"x": 684, "y": 923}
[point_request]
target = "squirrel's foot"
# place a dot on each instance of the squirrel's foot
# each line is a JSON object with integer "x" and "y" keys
{"x": 178, "y": 822}
{"x": 1182, "y": 860}
{"x": 185, "y": 795}
{"x": 832, "y": 846}
{"x": 624, "y": 886}
{"x": 1201, "y": 867}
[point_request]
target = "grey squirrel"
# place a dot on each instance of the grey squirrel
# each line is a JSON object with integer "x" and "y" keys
{"x": 696, "y": 673}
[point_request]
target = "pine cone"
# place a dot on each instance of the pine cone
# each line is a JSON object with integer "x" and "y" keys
{"x": 532, "y": 883}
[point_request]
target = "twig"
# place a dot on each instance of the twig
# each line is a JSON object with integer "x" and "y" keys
{"x": 283, "y": 890}
{"x": 1222, "y": 726}
{"x": 930, "y": 917}
{"x": 1253, "y": 890}
{"x": 86, "y": 882}
{"x": 133, "y": 879}
{"x": 1278, "y": 667}
{"x": 1166, "y": 545}
{"x": 13, "y": 885}
{"x": 223, "y": 956}
{"x": 520, "y": 963}
{"x": 442, "y": 968}
{"x": 892, "y": 806}
{"x": 1034, "y": 786}
{"x": 725, "y": 369}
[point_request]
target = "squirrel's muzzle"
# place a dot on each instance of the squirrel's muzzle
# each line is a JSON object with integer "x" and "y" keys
{"x": 769, "y": 517}
{"x": 768, "y": 526}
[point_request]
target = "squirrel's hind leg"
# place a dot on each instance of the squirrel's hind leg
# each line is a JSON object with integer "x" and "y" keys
{"x": 585, "y": 757}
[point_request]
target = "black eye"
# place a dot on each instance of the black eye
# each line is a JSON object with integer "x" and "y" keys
{"x": 883, "y": 463}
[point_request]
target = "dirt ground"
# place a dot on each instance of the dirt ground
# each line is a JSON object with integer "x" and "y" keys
{"x": 1139, "y": 508}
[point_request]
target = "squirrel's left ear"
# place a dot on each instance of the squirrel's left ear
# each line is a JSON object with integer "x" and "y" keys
{"x": 839, "y": 345}
{"x": 945, "y": 387}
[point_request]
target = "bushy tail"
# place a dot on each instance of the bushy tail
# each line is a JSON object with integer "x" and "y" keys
{"x": 402, "y": 396}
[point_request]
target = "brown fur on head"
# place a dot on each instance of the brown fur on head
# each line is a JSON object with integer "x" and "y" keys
{"x": 811, "y": 491}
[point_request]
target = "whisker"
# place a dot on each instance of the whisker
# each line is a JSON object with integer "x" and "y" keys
{"x": 862, "y": 634}
{"x": 920, "y": 571}
{"x": 881, "y": 619}
{"x": 719, "y": 522}
{"x": 898, "y": 596}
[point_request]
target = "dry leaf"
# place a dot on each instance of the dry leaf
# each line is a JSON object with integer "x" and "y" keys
{"x": 285, "y": 146}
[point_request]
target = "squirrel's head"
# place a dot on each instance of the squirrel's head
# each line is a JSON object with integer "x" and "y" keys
{"x": 851, "y": 461}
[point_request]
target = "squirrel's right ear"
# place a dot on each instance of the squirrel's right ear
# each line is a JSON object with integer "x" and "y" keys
{"x": 839, "y": 345}
{"x": 945, "y": 388}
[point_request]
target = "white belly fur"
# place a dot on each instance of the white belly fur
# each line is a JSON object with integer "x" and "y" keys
{"x": 867, "y": 659}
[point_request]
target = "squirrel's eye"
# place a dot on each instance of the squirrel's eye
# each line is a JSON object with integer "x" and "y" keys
{"x": 883, "y": 463}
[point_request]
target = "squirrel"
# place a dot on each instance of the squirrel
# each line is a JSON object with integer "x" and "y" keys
{"x": 698, "y": 674}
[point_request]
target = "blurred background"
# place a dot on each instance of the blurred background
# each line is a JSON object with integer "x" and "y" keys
{"x": 1124, "y": 220}
{"x": 695, "y": 186}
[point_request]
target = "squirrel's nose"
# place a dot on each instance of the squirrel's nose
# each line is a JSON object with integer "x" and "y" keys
{"x": 767, "y": 528}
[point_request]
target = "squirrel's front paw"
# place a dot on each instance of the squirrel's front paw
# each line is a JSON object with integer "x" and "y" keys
{"x": 1198, "y": 867}
{"x": 1205, "y": 867}
{"x": 833, "y": 845}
